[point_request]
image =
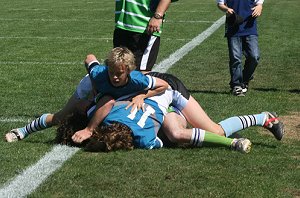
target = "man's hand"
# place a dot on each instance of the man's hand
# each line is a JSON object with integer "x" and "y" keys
{"x": 154, "y": 25}
{"x": 82, "y": 135}
{"x": 257, "y": 10}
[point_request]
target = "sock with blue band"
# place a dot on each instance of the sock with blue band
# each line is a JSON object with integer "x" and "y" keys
{"x": 237, "y": 123}
{"x": 36, "y": 125}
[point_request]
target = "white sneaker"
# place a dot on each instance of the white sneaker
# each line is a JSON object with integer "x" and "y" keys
{"x": 237, "y": 91}
{"x": 13, "y": 136}
{"x": 242, "y": 144}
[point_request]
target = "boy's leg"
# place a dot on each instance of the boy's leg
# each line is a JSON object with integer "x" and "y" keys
{"x": 269, "y": 120}
{"x": 252, "y": 57}
{"x": 174, "y": 127}
{"x": 38, "y": 124}
{"x": 47, "y": 120}
{"x": 197, "y": 117}
{"x": 204, "y": 138}
{"x": 235, "y": 65}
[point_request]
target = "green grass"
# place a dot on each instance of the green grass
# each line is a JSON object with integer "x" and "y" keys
{"x": 43, "y": 45}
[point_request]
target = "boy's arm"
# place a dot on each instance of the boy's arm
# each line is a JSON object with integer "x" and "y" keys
{"x": 103, "y": 107}
{"x": 138, "y": 101}
{"x": 223, "y": 7}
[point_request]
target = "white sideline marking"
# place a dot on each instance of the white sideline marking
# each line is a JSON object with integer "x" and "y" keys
{"x": 14, "y": 120}
{"x": 38, "y": 63}
{"x": 94, "y": 20}
{"x": 178, "y": 54}
{"x": 32, "y": 177}
{"x": 96, "y": 9}
{"x": 73, "y": 9}
{"x": 76, "y": 38}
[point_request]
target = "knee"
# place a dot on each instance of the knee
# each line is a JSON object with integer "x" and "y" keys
{"x": 175, "y": 136}
{"x": 90, "y": 58}
{"x": 110, "y": 102}
{"x": 254, "y": 58}
{"x": 106, "y": 101}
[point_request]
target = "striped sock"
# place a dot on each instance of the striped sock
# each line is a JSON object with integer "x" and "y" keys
{"x": 197, "y": 137}
{"x": 237, "y": 123}
{"x": 36, "y": 125}
{"x": 204, "y": 138}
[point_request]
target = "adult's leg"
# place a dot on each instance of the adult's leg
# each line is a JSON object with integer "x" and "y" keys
{"x": 144, "y": 47}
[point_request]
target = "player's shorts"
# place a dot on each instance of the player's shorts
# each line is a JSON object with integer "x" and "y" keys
{"x": 180, "y": 95}
{"x": 144, "y": 47}
{"x": 84, "y": 89}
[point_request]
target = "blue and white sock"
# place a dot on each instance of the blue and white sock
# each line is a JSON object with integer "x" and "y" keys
{"x": 237, "y": 123}
{"x": 36, "y": 125}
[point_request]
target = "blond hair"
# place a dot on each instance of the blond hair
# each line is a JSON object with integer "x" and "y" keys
{"x": 121, "y": 55}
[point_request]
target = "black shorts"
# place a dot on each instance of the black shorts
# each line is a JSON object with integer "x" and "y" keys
{"x": 173, "y": 81}
{"x": 145, "y": 47}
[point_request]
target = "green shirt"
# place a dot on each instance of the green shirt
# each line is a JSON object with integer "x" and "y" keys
{"x": 134, "y": 15}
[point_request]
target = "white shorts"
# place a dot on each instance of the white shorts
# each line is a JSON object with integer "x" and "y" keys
{"x": 84, "y": 89}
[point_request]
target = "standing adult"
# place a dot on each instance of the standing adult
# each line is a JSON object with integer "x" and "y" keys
{"x": 242, "y": 38}
{"x": 138, "y": 27}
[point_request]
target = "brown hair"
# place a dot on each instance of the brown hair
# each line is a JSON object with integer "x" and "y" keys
{"x": 105, "y": 137}
{"x": 111, "y": 137}
{"x": 121, "y": 55}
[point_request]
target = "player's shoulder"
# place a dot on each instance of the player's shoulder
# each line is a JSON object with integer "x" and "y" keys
{"x": 99, "y": 71}
{"x": 138, "y": 76}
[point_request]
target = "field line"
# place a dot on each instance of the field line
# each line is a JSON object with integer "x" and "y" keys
{"x": 7, "y": 120}
{"x": 166, "y": 64}
{"x": 32, "y": 177}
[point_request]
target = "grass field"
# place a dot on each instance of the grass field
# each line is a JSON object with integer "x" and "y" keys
{"x": 43, "y": 44}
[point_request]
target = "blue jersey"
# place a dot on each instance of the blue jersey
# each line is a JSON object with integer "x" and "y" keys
{"x": 144, "y": 125}
{"x": 242, "y": 8}
{"x": 137, "y": 82}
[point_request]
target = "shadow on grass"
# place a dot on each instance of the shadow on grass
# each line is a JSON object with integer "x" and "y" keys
{"x": 209, "y": 92}
{"x": 50, "y": 142}
{"x": 295, "y": 91}
{"x": 264, "y": 145}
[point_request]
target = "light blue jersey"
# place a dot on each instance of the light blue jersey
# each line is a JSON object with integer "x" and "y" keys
{"x": 137, "y": 82}
{"x": 144, "y": 125}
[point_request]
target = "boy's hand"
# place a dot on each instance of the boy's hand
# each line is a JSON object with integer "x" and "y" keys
{"x": 82, "y": 135}
{"x": 137, "y": 102}
{"x": 229, "y": 11}
{"x": 257, "y": 10}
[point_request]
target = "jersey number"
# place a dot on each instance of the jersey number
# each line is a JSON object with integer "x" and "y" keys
{"x": 149, "y": 110}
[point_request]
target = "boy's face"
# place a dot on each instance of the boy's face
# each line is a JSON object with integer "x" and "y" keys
{"x": 118, "y": 75}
